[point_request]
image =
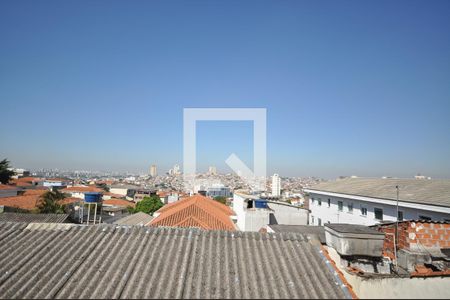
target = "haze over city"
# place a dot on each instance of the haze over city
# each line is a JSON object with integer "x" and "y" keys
{"x": 350, "y": 88}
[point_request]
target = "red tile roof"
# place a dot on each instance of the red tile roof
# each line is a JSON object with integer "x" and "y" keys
{"x": 113, "y": 195}
{"x": 82, "y": 189}
{"x": 35, "y": 192}
{"x": 28, "y": 179}
{"x": 119, "y": 202}
{"x": 24, "y": 202}
{"x": 7, "y": 187}
{"x": 195, "y": 211}
{"x": 70, "y": 200}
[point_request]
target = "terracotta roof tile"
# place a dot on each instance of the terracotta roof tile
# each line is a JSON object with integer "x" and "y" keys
{"x": 34, "y": 192}
{"x": 82, "y": 189}
{"x": 24, "y": 202}
{"x": 7, "y": 187}
{"x": 70, "y": 200}
{"x": 196, "y": 211}
{"x": 119, "y": 202}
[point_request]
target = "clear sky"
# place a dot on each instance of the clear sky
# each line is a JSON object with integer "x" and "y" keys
{"x": 351, "y": 87}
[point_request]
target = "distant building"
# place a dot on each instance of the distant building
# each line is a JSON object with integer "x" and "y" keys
{"x": 254, "y": 213}
{"x": 79, "y": 191}
{"x": 153, "y": 171}
{"x": 19, "y": 173}
{"x": 140, "y": 194}
{"x": 168, "y": 197}
{"x": 176, "y": 170}
{"x": 276, "y": 185}
{"x": 212, "y": 170}
{"x": 369, "y": 201}
{"x": 218, "y": 190}
{"x": 8, "y": 190}
{"x": 127, "y": 190}
{"x": 56, "y": 182}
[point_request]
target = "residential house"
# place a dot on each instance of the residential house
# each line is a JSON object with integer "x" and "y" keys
{"x": 195, "y": 211}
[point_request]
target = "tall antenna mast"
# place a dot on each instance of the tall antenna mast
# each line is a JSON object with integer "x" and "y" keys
{"x": 396, "y": 226}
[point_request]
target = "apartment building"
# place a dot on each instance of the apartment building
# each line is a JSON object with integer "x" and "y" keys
{"x": 369, "y": 201}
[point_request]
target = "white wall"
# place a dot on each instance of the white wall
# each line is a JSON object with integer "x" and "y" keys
{"x": 118, "y": 191}
{"x": 238, "y": 208}
{"x": 76, "y": 194}
{"x": 256, "y": 218}
{"x": 333, "y": 215}
{"x": 289, "y": 214}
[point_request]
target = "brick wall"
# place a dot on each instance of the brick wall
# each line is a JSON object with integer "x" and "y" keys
{"x": 430, "y": 234}
{"x": 415, "y": 235}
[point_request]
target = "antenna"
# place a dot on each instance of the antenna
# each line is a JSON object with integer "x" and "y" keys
{"x": 396, "y": 228}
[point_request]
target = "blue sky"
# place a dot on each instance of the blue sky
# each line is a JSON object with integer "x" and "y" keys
{"x": 350, "y": 87}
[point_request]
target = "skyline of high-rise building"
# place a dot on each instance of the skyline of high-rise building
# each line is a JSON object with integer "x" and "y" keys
{"x": 212, "y": 170}
{"x": 153, "y": 171}
{"x": 276, "y": 185}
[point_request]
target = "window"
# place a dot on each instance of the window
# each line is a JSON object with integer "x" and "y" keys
{"x": 340, "y": 205}
{"x": 312, "y": 200}
{"x": 378, "y": 213}
{"x": 319, "y": 201}
{"x": 400, "y": 215}
{"x": 319, "y": 221}
{"x": 350, "y": 207}
{"x": 312, "y": 220}
{"x": 363, "y": 211}
{"x": 424, "y": 218}
{"x": 329, "y": 202}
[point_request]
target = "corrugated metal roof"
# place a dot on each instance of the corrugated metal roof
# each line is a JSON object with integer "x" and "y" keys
{"x": 139, "y": 218}
{"x": 33, "y": 218}
{"x": 423, "y": 191}
{"x": 311, "y": 231}
{"x": 142, "y": 262}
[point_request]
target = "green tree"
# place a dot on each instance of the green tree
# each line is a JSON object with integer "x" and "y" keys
{"x": 50, "y": 203}
{"x": 149, "y": 205}
{"x": 103, "y": 186}
{"x": 5, "y": 174}
{"x": 221, "y": 199}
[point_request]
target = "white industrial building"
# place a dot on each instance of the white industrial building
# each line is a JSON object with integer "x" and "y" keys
{"x": 254, "y": 213}
{"x": 368, "y": 201}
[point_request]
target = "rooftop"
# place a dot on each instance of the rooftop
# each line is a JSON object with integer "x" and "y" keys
{"x": 139, "y": 218}
{"x": 195, "y": 211}
{"x": 422, "y": 191}
{"x": 119, "y": 202}
{"x": 317, "y": 231}
{"x": 33, "y": 218}
{"x": 82, "y": 189}
{"x": 353, "y": 228}
{"x": 7, "y": 187}
{"x": 23, "y": 202}
{"x": 107, "y": 261}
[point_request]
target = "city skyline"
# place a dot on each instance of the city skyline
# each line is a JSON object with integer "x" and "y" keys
{"x": 350, "y": 88}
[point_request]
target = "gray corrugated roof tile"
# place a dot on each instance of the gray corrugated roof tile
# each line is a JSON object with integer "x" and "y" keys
{"x": 423, "y": 191}
{"x": 140, "y": 262}
{"x": 33, "y": 218}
